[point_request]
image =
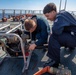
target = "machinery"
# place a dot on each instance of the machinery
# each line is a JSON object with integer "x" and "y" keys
{"x": 14, "y": 42}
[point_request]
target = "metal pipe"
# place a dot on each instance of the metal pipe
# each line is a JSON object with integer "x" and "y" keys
{"x": 13, "y": 28}
{"x": 3, "y": 14}
{"x": 60, "y": 5}
{"x": 4, "y": 26}
{"x": 65, "y": 4}
{"x": 14, "y": 12}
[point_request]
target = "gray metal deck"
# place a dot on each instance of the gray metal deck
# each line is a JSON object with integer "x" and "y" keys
{"x": 13, "y": 66}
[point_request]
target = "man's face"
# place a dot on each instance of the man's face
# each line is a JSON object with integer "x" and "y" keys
{"x": 51, "y": 15}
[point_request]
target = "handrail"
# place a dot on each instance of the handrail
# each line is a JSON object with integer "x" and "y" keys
{"x": 4, "y": 26}
{"x": 13, "y": 28}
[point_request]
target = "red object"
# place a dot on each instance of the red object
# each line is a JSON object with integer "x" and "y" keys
{"x": 28, "y": 15}
{"x": 27, "y": 53}
{"x": 4, "y": 19}
{"x": 44, "y": 70}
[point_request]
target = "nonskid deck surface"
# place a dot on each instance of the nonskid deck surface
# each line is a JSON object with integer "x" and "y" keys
{"x": 13, "y": 66}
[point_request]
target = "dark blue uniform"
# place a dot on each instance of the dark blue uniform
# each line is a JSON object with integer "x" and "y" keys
{"x": 40, "y": 35}
{"x": 63, "y": 34}
{"x": 41, "y": 32}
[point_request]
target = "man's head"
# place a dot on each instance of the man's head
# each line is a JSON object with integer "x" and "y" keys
{"x": 50, "y": 11}
{"x": 30, "y": 25}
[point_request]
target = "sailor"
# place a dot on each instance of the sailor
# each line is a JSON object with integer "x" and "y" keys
{"x": 37, "y": 26}
{"x": 63, "y": 32}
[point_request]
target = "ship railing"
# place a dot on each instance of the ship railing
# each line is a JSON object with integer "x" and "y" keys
{"x": 5, "y": 26}
{"x": 9, "y": 13}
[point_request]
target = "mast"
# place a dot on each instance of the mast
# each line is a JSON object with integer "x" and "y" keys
{"x": 65, "y": 4}
{"x": 60, "y": 5}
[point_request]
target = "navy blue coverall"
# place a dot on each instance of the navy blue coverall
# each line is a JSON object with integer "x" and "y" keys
{"x": 63, "y": 34}
{"x": 41, "y": 32}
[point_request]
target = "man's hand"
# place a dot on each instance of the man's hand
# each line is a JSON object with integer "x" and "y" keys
{"x": 32, "y": 46}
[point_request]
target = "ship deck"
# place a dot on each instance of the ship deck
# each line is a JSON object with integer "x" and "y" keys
{"x": 14, "y": 66}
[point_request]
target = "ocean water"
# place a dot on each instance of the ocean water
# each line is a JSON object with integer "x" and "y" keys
{"x": 7, "y": 15}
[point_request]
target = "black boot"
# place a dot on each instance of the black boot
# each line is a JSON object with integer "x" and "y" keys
{"x": 51, "y": 63}
{"x": 71, "y": 48}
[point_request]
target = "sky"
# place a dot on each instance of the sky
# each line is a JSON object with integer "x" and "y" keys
{"x": 35, "y": 4}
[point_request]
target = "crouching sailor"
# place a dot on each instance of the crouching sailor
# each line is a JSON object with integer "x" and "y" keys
{"x": 63, "y": 33}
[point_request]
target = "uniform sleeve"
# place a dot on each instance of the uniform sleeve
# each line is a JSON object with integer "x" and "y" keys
{"x": 58, "y": 25}
{"x": 43, "y": 35}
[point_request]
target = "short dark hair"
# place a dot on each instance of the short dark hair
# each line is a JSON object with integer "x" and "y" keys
{"x": 28, "y": 24}
{"x": 49, "y": 7}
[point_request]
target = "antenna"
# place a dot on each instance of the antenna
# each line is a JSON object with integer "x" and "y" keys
{"x": 65, "y": 4}
{"x": 60, "y": 5}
